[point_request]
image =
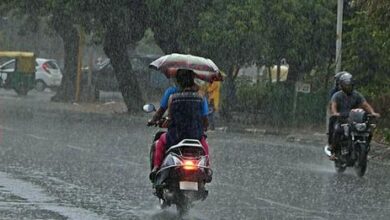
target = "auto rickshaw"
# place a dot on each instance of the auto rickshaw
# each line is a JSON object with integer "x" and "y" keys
{"x": 21, "y": 76}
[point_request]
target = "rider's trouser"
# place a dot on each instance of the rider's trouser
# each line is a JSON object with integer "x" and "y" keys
{"x": 331, "y": 128}
{"x": 161, "y": 148}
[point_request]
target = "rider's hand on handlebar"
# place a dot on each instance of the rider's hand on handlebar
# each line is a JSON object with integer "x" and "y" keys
{"x": 164, "y": 123}
{"x": 336, "y": 114}
{"x": 151, "y": 122}
{"x": 376, "y": 115}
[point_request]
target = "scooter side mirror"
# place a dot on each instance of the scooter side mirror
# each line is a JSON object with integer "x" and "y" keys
{"x": 148, "y": 108}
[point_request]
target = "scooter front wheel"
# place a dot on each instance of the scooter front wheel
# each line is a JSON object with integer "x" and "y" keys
{"x": 340, "y": 167}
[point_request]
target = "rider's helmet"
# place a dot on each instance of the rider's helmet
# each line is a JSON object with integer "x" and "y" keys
{"x": 346, "y": 83}
{"x": 337, "y": 78}
{"x": 185, "y": 78}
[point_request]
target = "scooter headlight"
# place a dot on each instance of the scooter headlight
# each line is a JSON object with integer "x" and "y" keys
{"x": 360, "y": 126}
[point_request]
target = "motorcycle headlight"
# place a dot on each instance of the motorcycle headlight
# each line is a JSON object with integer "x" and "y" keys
{"x": 360, "y": 126}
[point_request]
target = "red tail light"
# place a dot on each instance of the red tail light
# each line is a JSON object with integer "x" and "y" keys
{"x": 189, "y": 165}
{"x": 45, "y": 67}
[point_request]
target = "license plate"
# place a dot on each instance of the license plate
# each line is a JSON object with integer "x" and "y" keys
{"x": 184, "y": 185}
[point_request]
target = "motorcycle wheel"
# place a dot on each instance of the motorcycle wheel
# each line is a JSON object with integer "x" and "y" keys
{"x": 163, "y": 204}
{"x": 361, "y": 163}
{"x": 340, "y": 168}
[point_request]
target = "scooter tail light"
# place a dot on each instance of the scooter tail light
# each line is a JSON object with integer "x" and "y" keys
{"x": 189, "y": 165}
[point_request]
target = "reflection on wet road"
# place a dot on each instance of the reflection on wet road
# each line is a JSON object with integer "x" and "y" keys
{"x": 70, "y": 165}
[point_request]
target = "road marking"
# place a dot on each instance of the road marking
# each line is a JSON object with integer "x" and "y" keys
{"x": 77, "y": 148}
{"x": 37, "y": 137}
{"x": 36, "y": 196}
{"x": 6, "y": 128}
{"x": 129, "y": 162}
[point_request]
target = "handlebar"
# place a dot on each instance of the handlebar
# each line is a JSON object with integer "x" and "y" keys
{"x": 162, "y": 123}
{"x": 343, "y": 117}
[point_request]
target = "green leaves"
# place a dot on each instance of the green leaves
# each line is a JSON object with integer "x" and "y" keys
{"x": 367, "y": 49}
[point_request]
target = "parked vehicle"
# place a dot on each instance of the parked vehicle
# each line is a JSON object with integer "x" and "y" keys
{"x": 354, "y": 145}
{"x": 104, "y": 79}
{"x": 47, "y": 72}
{"x": 182, "y": 177}
{"x": 19, "y": 74}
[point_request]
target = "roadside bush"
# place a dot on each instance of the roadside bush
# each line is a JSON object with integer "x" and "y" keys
{"x": 381, "y": 104}
{"x": 272, "y": 104}
{"x": 311, "y": 108}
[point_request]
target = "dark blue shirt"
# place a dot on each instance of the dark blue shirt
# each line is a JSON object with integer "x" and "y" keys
{"x": 172, "y": 90}
{"x": 346, "y": 102}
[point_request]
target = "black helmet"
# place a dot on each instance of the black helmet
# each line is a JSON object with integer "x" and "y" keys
{"x": 185, "y": 78}
{"x": 346, "y": 83}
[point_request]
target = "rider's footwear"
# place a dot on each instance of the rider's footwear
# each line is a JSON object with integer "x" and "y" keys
{"x": 153, "y": 173}
{"x": 333, "y": 154}
{"x": 333, "y": 157}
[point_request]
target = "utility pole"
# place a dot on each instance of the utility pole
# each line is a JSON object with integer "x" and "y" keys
{"x": 79, "y": 63}
{"x": 340, "y": 5}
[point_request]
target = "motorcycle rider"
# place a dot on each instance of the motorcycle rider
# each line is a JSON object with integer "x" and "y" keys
{"x": 187, "y": 116}
{"x": 332, "y": 119}
{"x": 341, "y": 104}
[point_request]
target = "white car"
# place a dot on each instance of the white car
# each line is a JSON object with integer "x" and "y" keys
{"x": 47, "y": 73}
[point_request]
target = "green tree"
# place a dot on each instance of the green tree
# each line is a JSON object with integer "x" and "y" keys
{"x": 62, "y": 16}
{"x": 232, "y": 34}
{"x": 367, "y": 55}
{"x": 367, "y": 45}
{"x": 302, "y": 32}
{"x": 173, "y": 23}
{"x": 121, "y": 25}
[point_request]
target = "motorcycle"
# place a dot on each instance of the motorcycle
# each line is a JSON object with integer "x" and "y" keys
{"x": 182, "y": 177}
{"x": 352, "y": 148}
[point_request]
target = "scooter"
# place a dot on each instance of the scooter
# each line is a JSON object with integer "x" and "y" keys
{"x": 182, "y": 177}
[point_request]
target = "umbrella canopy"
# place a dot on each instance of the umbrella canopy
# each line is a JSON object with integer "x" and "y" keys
{"x": 205, "y": 69}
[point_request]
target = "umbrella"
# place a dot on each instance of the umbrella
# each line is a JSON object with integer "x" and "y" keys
{"x": 205, "y": 69}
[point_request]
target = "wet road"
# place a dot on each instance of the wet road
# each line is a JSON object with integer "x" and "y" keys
{"x": 58, "y": 164}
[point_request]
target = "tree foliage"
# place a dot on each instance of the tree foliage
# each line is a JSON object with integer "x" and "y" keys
{"x": 121, "y": 25}
{"x": 367, "y": 45}
{"x": 233, "y": 33}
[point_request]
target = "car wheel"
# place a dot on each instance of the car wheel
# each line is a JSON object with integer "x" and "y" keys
{"x": 40, "y": 85}
{"x": 22, "y": 90}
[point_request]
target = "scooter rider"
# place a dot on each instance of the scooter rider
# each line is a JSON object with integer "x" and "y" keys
{"x": 187, "y": 116}
{"x": 342, "y": 102}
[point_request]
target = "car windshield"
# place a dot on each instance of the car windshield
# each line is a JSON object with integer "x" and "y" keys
{"x": 9, "y": 65}
{"x": 52, "y": 64}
